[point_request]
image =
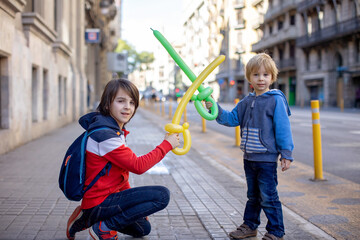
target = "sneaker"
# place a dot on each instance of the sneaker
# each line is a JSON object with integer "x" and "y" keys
{"x": 243, "y": 231}
{"x": 73, "y": 227}
{"x": 269, "y": 236}
{"x": 98, "y": 234}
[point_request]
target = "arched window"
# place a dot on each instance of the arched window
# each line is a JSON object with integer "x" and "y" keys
{"x": 338, "y": 60}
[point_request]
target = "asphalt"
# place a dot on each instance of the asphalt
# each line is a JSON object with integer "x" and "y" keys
{"x": 208, "y": 189}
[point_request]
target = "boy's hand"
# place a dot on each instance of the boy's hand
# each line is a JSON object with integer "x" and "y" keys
{"x": 208, "y": 104}
{"x": 285, "y": 164}
{"x": 173, "y": 139}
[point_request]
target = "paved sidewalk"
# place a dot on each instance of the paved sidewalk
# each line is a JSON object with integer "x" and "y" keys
{"x": 207, "y": 198}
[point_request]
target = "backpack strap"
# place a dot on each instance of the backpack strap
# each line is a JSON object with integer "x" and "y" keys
{"x": 107, "y": 167}
{"x": 100, "y": 174}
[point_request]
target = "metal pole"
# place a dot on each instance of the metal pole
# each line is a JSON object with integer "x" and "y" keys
{"x": 342, "y": 105}
{"x": 203, "y": 122}
{"x": 316, "y": 140}
{"x": 170, "y": 108}
{"x": 162, "y": 108}
{"x": 237, "y": 130}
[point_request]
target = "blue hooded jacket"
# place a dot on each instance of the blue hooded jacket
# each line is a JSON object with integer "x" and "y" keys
{"x": 265, "y": 126}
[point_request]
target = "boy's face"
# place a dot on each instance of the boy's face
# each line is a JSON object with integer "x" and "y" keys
{"x": 261, "y": 80}
{"x": 122, "y": 108}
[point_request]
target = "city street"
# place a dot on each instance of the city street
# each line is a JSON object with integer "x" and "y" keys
{"x": 340, "y": 132}
{"x": 57, "y": 59}
{"x": 208, "y": 189}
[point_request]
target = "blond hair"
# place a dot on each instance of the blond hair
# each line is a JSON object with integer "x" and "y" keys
{"x": 261, "y": 59}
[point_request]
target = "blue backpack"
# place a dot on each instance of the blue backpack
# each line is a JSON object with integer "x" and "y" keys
{"x": 72, "y": 172}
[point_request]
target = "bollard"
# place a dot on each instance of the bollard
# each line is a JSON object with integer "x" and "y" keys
{"x": 203, "y": 122}
{"x": 342, "y": 105}
{"x": 170, "y": 108}
{"x": 316, "y": 140}
{"x": 162, "y": 108}
{"x": 237, "y": 130}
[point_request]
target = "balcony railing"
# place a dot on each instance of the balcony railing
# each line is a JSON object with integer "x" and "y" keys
{"x": 279, "y": 9}
{"x": 286, "y": 63}
{"x": 274, "y": 39}
{"x": 305, "y": 5}
{"x": 238, "y": 4}
{"x": 333, "y": 32}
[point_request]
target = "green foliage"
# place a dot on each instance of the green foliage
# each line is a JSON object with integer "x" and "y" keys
{"x": 135, "y": 59}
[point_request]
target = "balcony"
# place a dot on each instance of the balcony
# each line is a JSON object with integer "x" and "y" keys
{"x": 238, "y": 4}
{"x": 34, "y": 23}
{"x": 308, "y": 4}
{"x": 12, "y": 7}
{"x": 286, "y": 64}
{"x": 240, "y": 25}
{"x": 274, "y": 39}
{"x": 331, "y": 33}
{"x": 283, "y": 7}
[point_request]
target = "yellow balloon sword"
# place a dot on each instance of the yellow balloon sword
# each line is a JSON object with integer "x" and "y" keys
{"x": 174, "y": 126}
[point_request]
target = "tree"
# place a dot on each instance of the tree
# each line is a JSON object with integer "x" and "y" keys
{"x": 145, "y": 58}
{"x": 135, "y": 59}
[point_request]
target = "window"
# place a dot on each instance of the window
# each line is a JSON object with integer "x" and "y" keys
{"x": 292, "y": 50}
{"x": 307, "y": 61}
{"x": 357, "y": 52}
{"x": 240, "y": 18}
{"x": 309, "y": 26}
{"x": 4, "y": 93}
{"x": 270, "y": 29}
{"x": 65, "y": 95}
{"x": 292, "y": 19}
{"x": 34, "y": 94}
{"x": 280, "y": 24}
{"x": 281, "y": 54}
{"x": 56, "y": 15}
{"x": 59, "y": 96}
{"x": 45, "y": 94}
{"x": 354, "y": 8}
{"x": 320, "y": 20}
{"x": 319, "y": 59}
{"x": 161, "y": 71}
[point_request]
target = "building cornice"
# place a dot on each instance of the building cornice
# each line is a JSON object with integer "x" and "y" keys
{"x": 330, "y": 33}
{"x": 275, "y": 39}
{"x": 60, "y": 47}
{"x": 33, "y": 22}
{"x": 12, "y": 6}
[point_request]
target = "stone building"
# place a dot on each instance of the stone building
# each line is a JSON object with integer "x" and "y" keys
{"x": 328, "y": 66}
{"x": 43, "y": 64}
{"x": 239, "y": 34}
{"x": 221, "y": 27}
{"x": 315, "y": 44}
{"x": 277, "y": 37}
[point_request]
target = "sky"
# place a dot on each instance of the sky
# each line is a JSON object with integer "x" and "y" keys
{"x": 138, "y": 16}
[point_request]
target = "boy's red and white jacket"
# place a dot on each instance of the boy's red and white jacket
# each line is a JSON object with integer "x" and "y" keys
{"x": 109, "y": 145}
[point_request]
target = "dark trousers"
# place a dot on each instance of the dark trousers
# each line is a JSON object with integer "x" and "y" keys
{"x": 125, "y": 211}
{"x": 261, "y": 178}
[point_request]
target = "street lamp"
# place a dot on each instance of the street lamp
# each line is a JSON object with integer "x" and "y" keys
{"x": 104, "y": 6}
{"x": 107, "y": 8}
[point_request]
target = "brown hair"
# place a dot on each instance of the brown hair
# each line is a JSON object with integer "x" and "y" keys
{"x": 261, "y": 59}
{"x": 111, "y": 90}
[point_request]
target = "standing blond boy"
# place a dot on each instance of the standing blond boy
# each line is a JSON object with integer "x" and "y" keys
{"x": 265, "y": 135}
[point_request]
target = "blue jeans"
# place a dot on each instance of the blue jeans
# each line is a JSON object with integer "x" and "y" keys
{"x": 261, "y": 178}
{"x": 125, "y": 211}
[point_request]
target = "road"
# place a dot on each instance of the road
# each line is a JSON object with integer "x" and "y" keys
{"x": 340, "y": 133}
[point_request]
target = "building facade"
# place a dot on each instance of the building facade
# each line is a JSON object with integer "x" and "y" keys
{"x": 43, "y": 67}
{"x": 315, "y": 44}
{"x": 328, "y": 66}
{"x": 277, "y": 37}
